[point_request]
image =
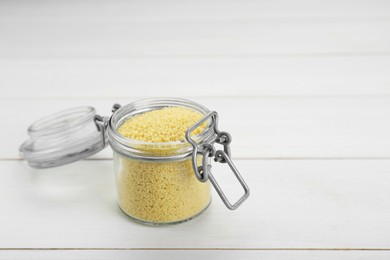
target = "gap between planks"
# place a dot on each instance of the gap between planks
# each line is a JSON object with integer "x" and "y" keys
{"x": 197, "y": 249}
{"x": 352, "y": 96}
{"x": 197, "y": 56}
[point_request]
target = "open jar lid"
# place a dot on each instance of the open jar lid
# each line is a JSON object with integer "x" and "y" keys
{"x": 62, "y": 138}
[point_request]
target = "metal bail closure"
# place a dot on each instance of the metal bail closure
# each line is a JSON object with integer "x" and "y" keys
{"x": 208, "y": 150}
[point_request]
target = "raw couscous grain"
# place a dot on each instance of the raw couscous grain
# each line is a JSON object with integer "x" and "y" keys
{"x": 163, "y": 125}
{"x": 160, "y": 192}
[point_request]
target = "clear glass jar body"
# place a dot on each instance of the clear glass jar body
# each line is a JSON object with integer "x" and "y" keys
{"x": 155, "y": 182}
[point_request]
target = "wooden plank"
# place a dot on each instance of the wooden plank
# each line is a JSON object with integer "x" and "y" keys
{"x": 173, "y": 10}
{"x": 97, "y": 39}
{"x": 196, "y": 77}
{"x": 337, "y": 127}
{"x": 294, "y": 204}
{"x": 191, "y": 254}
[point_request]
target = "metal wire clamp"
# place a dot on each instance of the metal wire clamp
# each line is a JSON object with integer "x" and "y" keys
{"x": 207, "y": 150}
{"x": 101, "y": 123}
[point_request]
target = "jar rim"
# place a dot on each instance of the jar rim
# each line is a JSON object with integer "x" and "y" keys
{"x": 129, "y": 146}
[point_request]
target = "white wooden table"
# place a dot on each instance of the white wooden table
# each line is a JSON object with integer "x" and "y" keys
{"x": 303, "y": 87}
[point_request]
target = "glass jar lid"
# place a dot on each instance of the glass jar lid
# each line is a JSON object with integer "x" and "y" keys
{"x": 62, "y": 138}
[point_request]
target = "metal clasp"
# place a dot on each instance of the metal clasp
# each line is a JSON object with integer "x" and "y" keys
{"x": 208, "y": 150}
{"x": 101, "y": 123}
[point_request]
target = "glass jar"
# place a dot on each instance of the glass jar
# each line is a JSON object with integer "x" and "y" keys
{"x": 157, "y": 183}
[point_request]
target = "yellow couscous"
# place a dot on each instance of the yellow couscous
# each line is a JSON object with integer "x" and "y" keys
{"x": 163, "y": 125}
{"x": 160, "y": 192}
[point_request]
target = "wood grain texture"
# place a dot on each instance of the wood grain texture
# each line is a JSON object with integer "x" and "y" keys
{"x": 196, "y": 77}
{"x": 301, "y": 80}
{"x": 119, "y": 39}
{"x": 191, "y": 254}
{"x": 338, "y": 127}
{"x": 293, "y": 204}
{"x": 203, "y": 10}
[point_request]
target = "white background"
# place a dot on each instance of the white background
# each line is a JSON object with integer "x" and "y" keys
{"x": 303, "y": 87}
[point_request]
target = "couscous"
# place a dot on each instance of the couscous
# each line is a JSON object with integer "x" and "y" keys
{"x": 162, "y": 191}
